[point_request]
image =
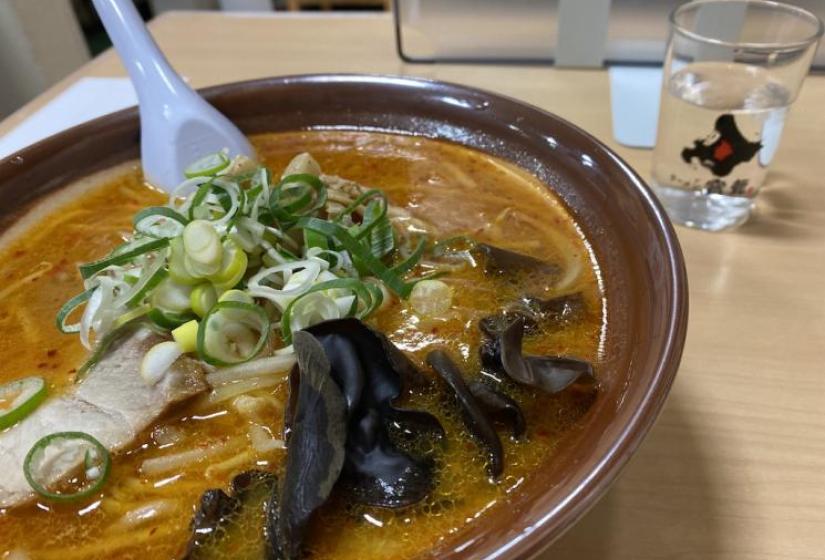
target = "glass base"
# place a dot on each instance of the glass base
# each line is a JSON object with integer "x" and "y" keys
{"x": 710, "y": 212}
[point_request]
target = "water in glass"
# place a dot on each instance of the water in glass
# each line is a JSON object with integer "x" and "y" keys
{"x": 719, "y": 128}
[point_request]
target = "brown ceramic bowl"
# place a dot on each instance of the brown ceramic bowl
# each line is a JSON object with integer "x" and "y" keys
{"x": 644, "y": 274}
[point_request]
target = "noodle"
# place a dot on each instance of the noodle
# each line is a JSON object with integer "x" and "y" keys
{"x": 146, "y": 512}
{"x": 30, "y": 331}
{"x": 105, "y": 547}
{"x": 263, "y": 366}
{"x": 41, "y": 269}
{"x": 459, "y": 176}
{"x": 226, "y": 392}
{"x": 166, "y": 463}
{"x": 229, "y": 464}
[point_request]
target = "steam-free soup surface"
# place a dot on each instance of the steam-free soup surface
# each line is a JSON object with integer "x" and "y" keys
{"x": 456, "y": 190}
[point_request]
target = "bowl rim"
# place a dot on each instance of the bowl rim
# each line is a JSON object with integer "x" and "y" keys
{"x": 539, "y": 533}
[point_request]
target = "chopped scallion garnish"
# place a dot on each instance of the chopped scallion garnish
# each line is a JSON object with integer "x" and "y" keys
{"x": 244, "y": 255}
{"x": 19, "y": 398}
{"x": 207, "y": 166}
{"x": 67, "y": 448}
{"x": 232, "y": 332}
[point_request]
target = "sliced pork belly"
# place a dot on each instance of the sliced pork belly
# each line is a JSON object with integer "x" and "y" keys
{"x": 112, "y": 403}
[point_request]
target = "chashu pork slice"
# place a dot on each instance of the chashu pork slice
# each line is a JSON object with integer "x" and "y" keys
{"x": 112, "y": 403}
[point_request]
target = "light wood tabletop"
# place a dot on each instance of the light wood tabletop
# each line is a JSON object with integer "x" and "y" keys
{"x": 735, "y": 466}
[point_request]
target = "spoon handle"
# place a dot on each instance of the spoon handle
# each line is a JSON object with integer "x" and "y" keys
{"x": 151, "y": 74}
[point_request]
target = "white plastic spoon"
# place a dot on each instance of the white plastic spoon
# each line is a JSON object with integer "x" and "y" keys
{"x": 177, "y": 127}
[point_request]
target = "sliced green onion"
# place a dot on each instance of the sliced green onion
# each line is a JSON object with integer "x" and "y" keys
{"x": 226, "y": 190}
{"x": 199, "y": 198}
{"x": 126, "y": 246}
{"x": 302, "y": 163}
{"x": 159, "y": 221}
{"x": 186, "y": 336}
{"x": 226, "y": 193}
{"x": 158, "y": 359}
{"x": 200, "y": 270}
{"x": 375, "y": 211}
{"x": 236, "y": 229}
{"x": 357, "y": 250}
{"x": 409, "y": 263}
{"x": 69, "y": 307}
{"x": 251, "y": 194}
{"x": 202, "y": 298}
{"x": 177, "y": 264}
{"x": 168, "y": 320}
{"x": 96, "y": 464}
{"x": 337, "y": 260}
{"x": 207, "y": 166}
{"x": 315, "y": 239}
{"x": 89, "y": 460}
{"x": 247, "y": 233}
{"x": 229, "y": 338}
{"x": 366, "y": 196}
{"x": 369, "y": 296}
{"x": 232, "y": 268}
{"x": 302, "y": 274}
{"x": 458, "y": 248}
{"x": 153, "y": 276}
{"x": 202, "y": 243}
{"x": 171, "y": 296}
{"x": 19, "y": 398}
{"x": 317, "y": 307}
{"x": 379, "y": 292}
{"x": 180, "y": 197}
{"x": 132, "y": 314}
{"x": 237, "y": 295}
{"x": 431, "y": 298}
{"x": 381, "y": 236}
{"x": 296, "y": 196}
{"x": 118, "y": 258}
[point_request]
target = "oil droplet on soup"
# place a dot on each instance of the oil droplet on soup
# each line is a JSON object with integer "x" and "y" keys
{"x": 456, "y": 190}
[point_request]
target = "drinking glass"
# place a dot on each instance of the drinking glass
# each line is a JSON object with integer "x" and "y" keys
{"x": 732, "y": 69}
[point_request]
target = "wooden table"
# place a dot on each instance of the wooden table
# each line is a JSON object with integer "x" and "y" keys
{"x": 735, "y": 467}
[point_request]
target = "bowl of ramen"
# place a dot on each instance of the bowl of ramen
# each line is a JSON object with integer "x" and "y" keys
{"x": 425, "y": 321}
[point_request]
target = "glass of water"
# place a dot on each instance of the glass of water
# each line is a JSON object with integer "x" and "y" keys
{"x": 732, "y": 70}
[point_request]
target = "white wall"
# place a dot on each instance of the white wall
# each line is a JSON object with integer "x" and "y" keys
{"x": 40, "y": 43}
